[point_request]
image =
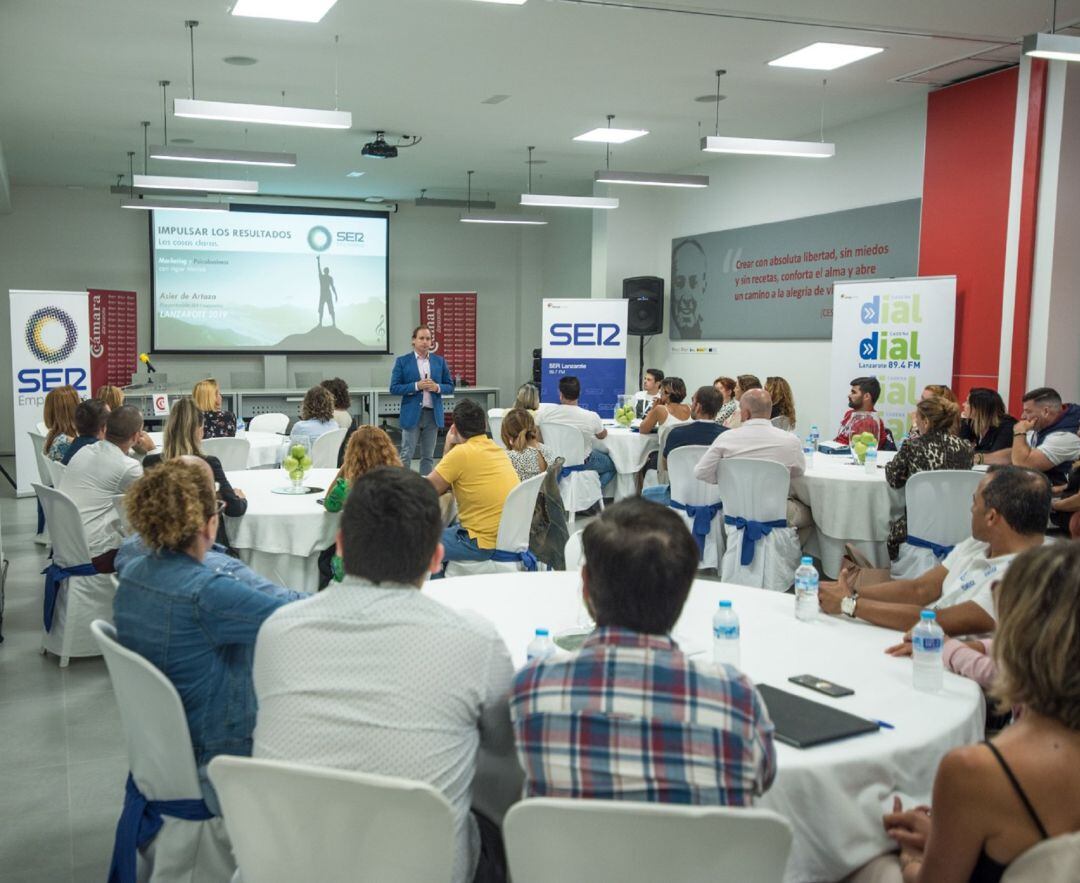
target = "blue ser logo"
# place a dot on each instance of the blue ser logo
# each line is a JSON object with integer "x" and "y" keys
{"x": 584, "y": 334}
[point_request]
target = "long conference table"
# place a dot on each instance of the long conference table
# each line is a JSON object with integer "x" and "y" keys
{"x": 833, "y": 795}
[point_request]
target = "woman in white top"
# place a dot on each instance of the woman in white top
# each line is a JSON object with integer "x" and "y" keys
{"x": 528, "y": 454}
{"x": 339, "y": 389}
{"x": 316, "y": 415}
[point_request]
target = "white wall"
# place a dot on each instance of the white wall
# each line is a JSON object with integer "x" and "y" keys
{"x": 64, "y": 239}
{"x": 878, "y": 160}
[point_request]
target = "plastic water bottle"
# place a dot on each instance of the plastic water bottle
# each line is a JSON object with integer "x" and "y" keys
{"x": 808, "y": 451}
{"x": 815, "y": 435}
{"x": 540, "y": 647}
{"x": 725, "y": 629}
{"x": 240, "y": 423}
{"x": 806, "y": 590}
{"x": 927, "y": 647}
{"x": 870, "y": 460}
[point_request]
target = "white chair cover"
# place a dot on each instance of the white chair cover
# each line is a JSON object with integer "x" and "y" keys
{"x": 580, "y": 489}
{"x": 691, "y": 491}
{"x": 573, "y": 553}
{"x": 514, "y": 528}
{"x": 163, "y": 768}
{"x": 324, "y": 451}
{"x": 41, "y": 428}
{"x": 232, "y": 452}
{"x": 37, "y": 439}
{"x": 1055, "y": 859}
{"x": 757, "y": 490}
{"x": 56, "y": 472}
{"x": 567, "y": 840}
{"x": 81, "y": 599}
{"x": 291, "y": 822}
{"x": 938, "y": 511}
{"x": 495, "y": 416}
{"x": 269, "y": 423}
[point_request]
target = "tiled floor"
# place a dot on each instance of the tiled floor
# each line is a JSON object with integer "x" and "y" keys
{"x": 62, "y": 756}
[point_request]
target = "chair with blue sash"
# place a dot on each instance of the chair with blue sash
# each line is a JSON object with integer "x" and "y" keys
{"x": 579, "y": 485}
{"x": 166, "y": 833}
{"x": 574, "y": 554}
{"x": 37, "y": 441}
{"x": 698, "y": 502}
{"x": 512, "y": 543}
{"x": 938, "y": 517}
{"x": 75, "y": 593}
{"x": 762, "y": 551}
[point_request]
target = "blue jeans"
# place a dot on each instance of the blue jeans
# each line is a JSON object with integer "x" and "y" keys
{"x": 459, "y": 546}
{"x": 425, "y": 432}
{"x": 658, "y": 493}
{"x": 600, "y": 462}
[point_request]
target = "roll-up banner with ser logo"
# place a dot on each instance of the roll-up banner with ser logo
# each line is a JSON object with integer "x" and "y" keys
{"x": 585, "y": 338}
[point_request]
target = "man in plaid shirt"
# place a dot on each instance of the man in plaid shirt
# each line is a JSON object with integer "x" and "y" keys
{"x": 630, "y": 717}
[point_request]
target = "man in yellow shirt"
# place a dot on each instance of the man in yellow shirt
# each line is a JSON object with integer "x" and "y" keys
{"x": 480, "y": 474}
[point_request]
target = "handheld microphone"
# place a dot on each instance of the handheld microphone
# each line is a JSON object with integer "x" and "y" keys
{"x": 145, "y": 359}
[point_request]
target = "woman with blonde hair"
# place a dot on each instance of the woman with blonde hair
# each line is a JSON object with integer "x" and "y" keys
{"x": 783, "y": 402}
{"x": 528, "y": 398}
{"x": 113, "y": 396}
{"x": 995, "y": 800}
{"x": 519, "y": 436}
{"x": 59, "y": 417}
{"x": 986, "y": 423}
{"x": 932, "y": 391}
{"x": 316, "y": 415}
{"x": 216, "y": 423}
{"x": 935, "y": 447}
{"x": 368, "y": 447}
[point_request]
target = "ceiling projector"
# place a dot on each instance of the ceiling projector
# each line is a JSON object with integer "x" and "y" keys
{"x": 379, "y": 149}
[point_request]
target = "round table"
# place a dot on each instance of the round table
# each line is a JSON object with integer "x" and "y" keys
{"x": 834, "y": 795}
{"x": 628, "y": 451}
{"x": 280, "y": 536}
{"x": 265, "y": 446}
{"x": 848, "y": 505}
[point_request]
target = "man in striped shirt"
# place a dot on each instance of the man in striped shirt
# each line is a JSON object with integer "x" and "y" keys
{"x": 631, "y": 717}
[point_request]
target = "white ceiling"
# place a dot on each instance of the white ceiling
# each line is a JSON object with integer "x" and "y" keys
{"x": 77, "y": 77}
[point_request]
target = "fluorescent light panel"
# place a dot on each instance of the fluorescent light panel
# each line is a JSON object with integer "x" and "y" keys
{"x": 825, "y": 56}
{"x": 268, "y": 114}
{"x": 434, "y": 202}
{"x": 228, "y": 157}
{"x": 505, "y": 2}
{"x": 492, "y": 218}
{"x": 607, "y": 135}
{"x": 284, "y": 10}
{"x": 650, "y": 179}
{"x": 211, "y": 185}
{"x": 1057, "y": 47}
{"x": 767, "y": 147}
{"x": 174, "y": 205}
{"x": 554, "y": 201}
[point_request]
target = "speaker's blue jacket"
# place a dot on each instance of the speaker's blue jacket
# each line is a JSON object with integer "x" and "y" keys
{"x": 403, "y": 382}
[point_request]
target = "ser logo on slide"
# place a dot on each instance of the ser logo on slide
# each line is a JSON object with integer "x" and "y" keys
{"x": 319, "y": 238}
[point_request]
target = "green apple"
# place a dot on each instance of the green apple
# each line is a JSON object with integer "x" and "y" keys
{"x": 290, "y": 463}
{"x": 305, "y": 462}
{"x": 298, "y": 451}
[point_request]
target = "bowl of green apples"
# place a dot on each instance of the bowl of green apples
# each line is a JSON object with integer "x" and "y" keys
{"x": 297, "y": 463}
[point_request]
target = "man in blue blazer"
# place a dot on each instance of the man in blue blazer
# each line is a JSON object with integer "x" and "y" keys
{"x": 421, "y": 378}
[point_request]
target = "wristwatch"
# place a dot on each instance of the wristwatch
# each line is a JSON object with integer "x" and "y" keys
{"x": 847, "y": 605}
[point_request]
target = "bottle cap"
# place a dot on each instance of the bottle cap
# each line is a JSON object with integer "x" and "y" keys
{"x": 806, "y": 559}
{"x": 927, "y": 615}
{"x": 725, "y": 604}
{"x": 542, "y": 633}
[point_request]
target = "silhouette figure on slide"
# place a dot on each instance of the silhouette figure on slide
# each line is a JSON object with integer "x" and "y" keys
{"x": 326, "y": 286}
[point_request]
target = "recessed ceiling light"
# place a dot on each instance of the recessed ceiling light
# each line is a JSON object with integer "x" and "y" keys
{"x": 285, "y": 10}
{"x": 605, "y": 134}
{"x": 825, "y": 56}
{"x": 181, "y": 140}
{"x": 240, "y": 60}
{"x": 353, "y": 174}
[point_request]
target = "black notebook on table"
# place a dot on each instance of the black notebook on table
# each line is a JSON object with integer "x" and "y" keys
{"x": 805, "y": 723}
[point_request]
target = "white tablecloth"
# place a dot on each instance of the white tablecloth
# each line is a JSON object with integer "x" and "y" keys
{"x": 848, "y": 505}
{"x": 265, "y": 446}
{"x": 281, "y": 536}
{"x": 834, "y": 795}
{"x": 628, "y": 451}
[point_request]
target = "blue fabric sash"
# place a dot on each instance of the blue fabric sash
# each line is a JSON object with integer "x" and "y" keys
{"x": 140, "y": 821}
{"x": 567, "y": 470}
{"x": 938, "y": 550}
{"x": 526, "y": 557}
{"x": 703, "y": 518}
{"x": 54, "y": 575}
{"x": 752, "y": 532}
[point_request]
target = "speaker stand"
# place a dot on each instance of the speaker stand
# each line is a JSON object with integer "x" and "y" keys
{"x": 641, "y": 362}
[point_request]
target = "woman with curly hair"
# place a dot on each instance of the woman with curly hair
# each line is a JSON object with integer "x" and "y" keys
{"x": 197, "y": 625}
{"x": 59, "y": 417}
{"x": 368, "y": 447}
{"x": 339, "y": 389}
{"x": 783, "y": 402}
{"x": 316, "y": 415}
{"x": 216, "y": 423}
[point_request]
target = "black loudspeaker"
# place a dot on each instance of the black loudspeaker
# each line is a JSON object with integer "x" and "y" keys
{"x": 536, "y": 366}
{"x": 645, "y": 313}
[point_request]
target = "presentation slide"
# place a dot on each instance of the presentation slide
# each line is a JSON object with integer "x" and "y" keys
{"x": 273, "y": 280}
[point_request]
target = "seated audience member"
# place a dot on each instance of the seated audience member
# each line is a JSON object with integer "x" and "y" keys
{"x": 1066, "y": 508}
{"x": 528, "y": 399}
{"x": 481, "y": 476}
{"x": 931, "y": 391}
{"x": 112, "y": 396}
{"x": 993, "y": 801}
{"x": 1009, "y": 510}
{"x": 987, "y": 425}
{"x": 783, "y": 403}
{"x": 90, "y": 417}
{"x": 702, "y": 430}
{"x": 861, "y": 415}
{"x": 59, "y": 419}
{"x": 316, "y": 415}
{"x": 368, "y": 447}
{"x": 568, "y": 413}
{"x": 726, "y": 387}
{"x": 373, "y": 676}
{"x": 935, "y": 446}
{"x": 669, "y": 406}
{"x": 216, "y": 423}
{"x": 528, "y": 454}
{"x": 339, "y": 390}
{"x": 195, "y": 624}
{"x": 743, "y": 383}
{"x": 646, "y": 397}
{"x": 1046, "y": 437}
{"x": 97, "y": 474}
{"x": 630, "y": 716}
